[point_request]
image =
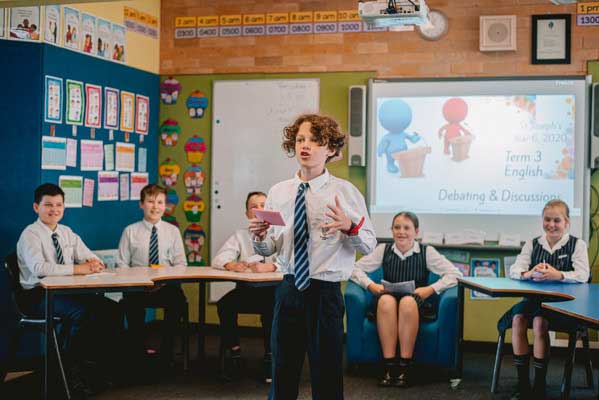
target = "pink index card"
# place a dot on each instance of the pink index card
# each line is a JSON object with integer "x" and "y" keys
{"x": 272, "y": 217}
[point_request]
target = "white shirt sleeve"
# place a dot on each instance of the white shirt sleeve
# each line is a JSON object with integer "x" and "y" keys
{"x": 580, "y": 262}
{"x": 368, "y": 263}
{"x": 123, "y": 259}
{"x": 229, "y": 252}
{"x": 365, "y": 241}
{"x": 31, "y": 256}
{"x": 438, "y": 264}
{"x": 522, "y": 263}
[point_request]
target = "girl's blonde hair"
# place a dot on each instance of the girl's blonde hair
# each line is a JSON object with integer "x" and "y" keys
{"x": 558, "y": 203}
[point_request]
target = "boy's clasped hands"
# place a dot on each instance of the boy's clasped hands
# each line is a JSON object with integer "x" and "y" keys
{"x": 255, "y": 266}
{"x": 543, "y": 272}
{"x": 91, "y": 266}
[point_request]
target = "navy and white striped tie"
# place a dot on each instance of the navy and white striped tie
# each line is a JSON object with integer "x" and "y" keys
{"x": 59, "y": 256}
{"x": 300, "y": 240}
{"x": 154, "y": 259}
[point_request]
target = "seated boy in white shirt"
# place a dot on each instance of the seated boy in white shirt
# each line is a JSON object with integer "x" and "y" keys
{"x": 152, "y": 241}
{"x": 47, "y": 248}
{"x": 237, "y": 254}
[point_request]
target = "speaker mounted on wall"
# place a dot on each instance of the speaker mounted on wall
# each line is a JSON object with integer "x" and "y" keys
{"x": 497, "y": 33}
{"x": 357, "y": 126}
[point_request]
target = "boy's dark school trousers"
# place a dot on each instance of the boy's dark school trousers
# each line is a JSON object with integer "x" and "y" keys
{"x": 310, "y": 321}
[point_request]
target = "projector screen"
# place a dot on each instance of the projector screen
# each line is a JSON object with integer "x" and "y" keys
{"x": 478, "y": 154}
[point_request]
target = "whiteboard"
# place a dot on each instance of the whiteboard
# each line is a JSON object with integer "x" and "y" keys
{"x": 247, "y": 129}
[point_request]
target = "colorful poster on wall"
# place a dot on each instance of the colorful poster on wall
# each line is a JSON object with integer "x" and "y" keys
{"x": 104, "y": 33}
{"x": 109, "y": 157}
{"x": 142, "y": 159}
{"x": 111, "y": 108}
{"x": 124, "y": 182}
{"x": 483, "y": 267}
{"x": 52, "y": 24}
{"x": 138, "y": 181}
{"x": 142, "y": 114}
{"x": 118, "y": 43}
{"x": 24, "y": 23}
{"x": 2, "y": 22}
{"x": 93, "y": 106}
{"x": 75, "y": 102}
{"x": 53, "y": 100}
{"x": 72, "y": 186}
{"x": 71, "y": 30}
{"x": 92, "y": 155}
{"x": 54, "y": 152}
{"x": 108, "y": 185}
{"x": 71, "y": 160}
{"x": 125, "y": 157}
{"x": 88, "y": 192}
{"x": 127, "y": 111}
{"x": 88, "y": 32}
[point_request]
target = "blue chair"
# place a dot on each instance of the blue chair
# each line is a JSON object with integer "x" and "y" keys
{"x": 436, "y": 343}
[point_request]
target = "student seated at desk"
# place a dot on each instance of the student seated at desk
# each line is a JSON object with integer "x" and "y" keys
{"x": 236, "y": 255}
{"x": 554, "y": 256}
{"x": 398, "y": 316}
{"x": 153, "y": 242}
{"x": 47, "y": 248}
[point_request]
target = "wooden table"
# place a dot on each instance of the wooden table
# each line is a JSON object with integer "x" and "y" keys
{"x": 137, "y": 279}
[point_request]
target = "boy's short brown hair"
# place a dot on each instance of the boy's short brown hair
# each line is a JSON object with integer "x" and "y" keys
{"x": 151, "y": 190}
{"x": 250, "y": 195}
{"x": 326, "y": 131}
{"x": 47, "y": 189}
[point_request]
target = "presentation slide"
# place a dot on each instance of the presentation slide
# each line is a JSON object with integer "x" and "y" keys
{"x": 481, "y": 156}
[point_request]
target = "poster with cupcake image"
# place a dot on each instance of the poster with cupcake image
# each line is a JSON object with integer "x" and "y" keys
{"x": 119, "y": 42}
{"x": 52, "y": 25}
{"x": 88, "y": 32}
{"x": 195, "y": 147}
{"x": 24, "y": 23}
{"x": 169, "y": 90}
{"x": 194, "y": 238}
{"x": 104, "y": 33}
{"x": 71, "y": 28}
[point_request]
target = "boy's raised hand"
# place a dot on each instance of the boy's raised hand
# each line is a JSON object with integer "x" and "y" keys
{"x": 341, "y": 222}
{"x": 258, "y": 228}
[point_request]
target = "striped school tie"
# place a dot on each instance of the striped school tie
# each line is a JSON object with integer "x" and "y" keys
{"x": 154, "y": 259}
{"x": 300, "y": 240}
{"x": 59, "y": 256}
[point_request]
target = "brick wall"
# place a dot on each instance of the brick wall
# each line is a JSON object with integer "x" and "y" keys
{"x": 390, "y": 54}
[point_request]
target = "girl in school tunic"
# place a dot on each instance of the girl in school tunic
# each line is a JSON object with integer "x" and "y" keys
{"x": 555, "y": 256}
{"x": 398, "y": 316}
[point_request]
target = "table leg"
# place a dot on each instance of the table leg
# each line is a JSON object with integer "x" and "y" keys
{"x": 460, "y": 344}
{"x": 49, "y": 339}
{"x": 201, "y": 320}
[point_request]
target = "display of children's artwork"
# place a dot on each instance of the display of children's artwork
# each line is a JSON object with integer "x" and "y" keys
{"x": 54, "y": 152}
{"x": 142, "y": 114}
{"x": 24, "y": 23}
{"x": 193, "y": 206}
{"x": 108, "y": 185}
{"x": 169, "y": 132}
{"x": 118, "y": 43}
{"x": 171, "y": 219}
{"x": 169, "y": 90}
{"x": 138, "y": 181}
{"x": 169, "y": 172}
{"x": 194, "y": 179}
{"x": 172, "y": 199}
{"x": 124, "y": 186}
{"x": 53, "y": 100}
{"x": 195, "y": 149}
{"x": 125, "y": 157}
{"x": 109, "y": 157}
{"x": 72, "y": 186}
{"x": 194, "y": 238}
{"x": 93, "y": 106}
{"x": 142, "y": 159}
{"x": 103, "y": 44}
{"x": 92, "y": 155}
{"x": 197, "y": 102}
{"x": 88, "y": 32}
{"x": 484, "y": 267}
{"x": 111, "y": 108}
{"x": 88, "y": 192}
{"x": 52, "y": 24}
{"x": 71, "y": 28}
{"x": 71, "y": 153}
{"x": 127, "y": 111}
{"x": 75, "y": 102}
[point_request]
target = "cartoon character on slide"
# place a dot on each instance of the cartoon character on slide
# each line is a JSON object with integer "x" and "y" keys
{"x": 455, "y": 111}
{"x": 395, "y": 116}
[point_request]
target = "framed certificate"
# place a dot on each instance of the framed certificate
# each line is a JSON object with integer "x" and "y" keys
{"x": 551, "y": 39}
